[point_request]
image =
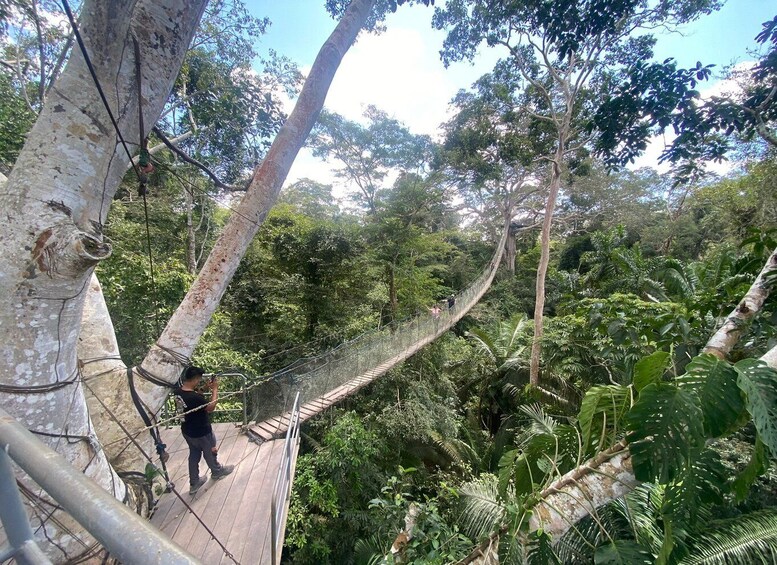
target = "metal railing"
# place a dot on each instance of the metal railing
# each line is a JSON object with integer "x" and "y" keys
{"x": 244, "y": 391}
{"x": 127, "y": 536}
{"x": 282, "y": 488}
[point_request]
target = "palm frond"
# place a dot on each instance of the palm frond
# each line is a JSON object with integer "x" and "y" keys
{"x": 484, "y": 342}
{"x": 370, "y": 551}
{"x": 744, "y": 540}
{"x": 482, "y": 511}
{"x": 541, "y": 422}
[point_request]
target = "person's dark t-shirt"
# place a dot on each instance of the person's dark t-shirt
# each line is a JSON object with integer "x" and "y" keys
{"x": 195, "y": 424}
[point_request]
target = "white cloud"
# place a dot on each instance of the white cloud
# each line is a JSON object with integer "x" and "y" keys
{"x": 399, "y": 72}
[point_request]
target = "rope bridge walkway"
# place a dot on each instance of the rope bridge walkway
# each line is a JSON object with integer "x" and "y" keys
{"x": 325, "y": 380}
{"x": 242, "y": 519}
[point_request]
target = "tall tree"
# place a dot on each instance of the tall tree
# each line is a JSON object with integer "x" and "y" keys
{"x": 367, "y": 154}
{"x": 562, "y": 51}
{"x": 489, "y": 154}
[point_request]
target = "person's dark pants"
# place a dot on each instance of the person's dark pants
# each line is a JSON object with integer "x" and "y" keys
{"x": 199, "y": 446}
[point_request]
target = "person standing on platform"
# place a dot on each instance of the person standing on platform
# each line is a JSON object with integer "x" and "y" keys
{"x": 196, "y": 428}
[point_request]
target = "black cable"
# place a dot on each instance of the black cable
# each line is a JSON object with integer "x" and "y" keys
{"x": 160, "y": 446}
{"x": 92, "y": 72}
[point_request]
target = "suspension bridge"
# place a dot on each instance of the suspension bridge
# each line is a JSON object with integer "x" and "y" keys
{"x": 242, "y": 518}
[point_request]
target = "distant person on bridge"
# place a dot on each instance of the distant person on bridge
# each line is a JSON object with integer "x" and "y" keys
{"x": 435, "y": 310}
{"x": 196, "y": 428}
{"x": 451, "y": 302}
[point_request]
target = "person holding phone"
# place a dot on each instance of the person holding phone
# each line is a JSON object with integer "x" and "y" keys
{"x": 196, "y": 428}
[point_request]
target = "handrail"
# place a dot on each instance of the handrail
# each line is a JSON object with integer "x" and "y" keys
{"x": 169, "y": 415}
{"x": 244, "y": 391}
{"x": 282, "y": 488}
{"x": 127, "y": 536}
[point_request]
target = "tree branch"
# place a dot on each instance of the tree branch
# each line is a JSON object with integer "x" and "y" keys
{"x": 721, "y": 343}
{"x": 192, "y": 161}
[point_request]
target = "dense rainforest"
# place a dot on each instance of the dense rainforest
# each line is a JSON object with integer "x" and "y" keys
{"x": 630, "y": 322}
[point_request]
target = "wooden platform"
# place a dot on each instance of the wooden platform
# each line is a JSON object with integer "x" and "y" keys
{"x": 235, "y": 508}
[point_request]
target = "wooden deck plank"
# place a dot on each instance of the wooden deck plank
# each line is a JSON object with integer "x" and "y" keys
{"x": 262, "y": 479}
{"x": 236, "y": 508}
{"x": 243, "y": 457}
{"x": 217, "y": 492}
{"x": 190, "y": 533}
{"x": 171, "y": 513}
{"x": 237, "y": 537}
{"x": 259, "y": 532}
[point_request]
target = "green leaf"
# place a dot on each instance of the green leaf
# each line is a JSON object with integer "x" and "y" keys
{"x": 759, "y": 462}
{"x": 650, "y": 369}
{"x": 702, "y": 481}
{"x": 622, "y": 552}
{"x": 751, "y": 538}
{"x": 601, "y": 412}
{"x": 715, "y": 383}
{"x": 664, "y": 425}
{"x": 759, "y": 383}
{"x": 541, "y": 550}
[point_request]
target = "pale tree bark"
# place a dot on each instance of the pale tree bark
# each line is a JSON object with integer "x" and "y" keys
{"x": 739, "y": 319}
{"x": 191, "y": 236}
{"x": 542, "y": 268}
{"x": 194, "y": 313}
{"x": 54, "y": 205}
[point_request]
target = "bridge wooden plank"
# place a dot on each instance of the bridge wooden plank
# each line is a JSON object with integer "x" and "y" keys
{"x": 189, "y": 531}
{"x": 236, "y": 508}
{"x": 244, "y": 458}
{"x": 230, "y": 452}
{"x": 259, "y": 533}
{"x": 238, "y": 539}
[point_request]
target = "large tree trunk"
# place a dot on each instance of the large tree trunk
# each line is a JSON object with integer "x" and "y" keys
{"x": 55, "y": 203}
{"x": 193, "y": 315}
{"x": 542, "y": 268}
{"x": 738, "y": 321}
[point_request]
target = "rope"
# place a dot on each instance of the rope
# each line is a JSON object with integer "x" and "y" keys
{"x": 152, "y": 429}
{"x": 144, "y": 163}
{"x": 141, "y": 175}
{"x": 96, "y": 81}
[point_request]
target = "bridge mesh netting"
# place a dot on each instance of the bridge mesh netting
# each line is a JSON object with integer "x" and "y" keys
{"x": 367, "y": 356}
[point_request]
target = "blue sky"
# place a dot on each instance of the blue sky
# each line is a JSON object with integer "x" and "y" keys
{"x": 400, "y": 71}
{"x": 299, "y": 27}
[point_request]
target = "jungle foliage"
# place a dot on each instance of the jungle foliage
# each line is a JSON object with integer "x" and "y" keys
{"x": 643, "y": 269}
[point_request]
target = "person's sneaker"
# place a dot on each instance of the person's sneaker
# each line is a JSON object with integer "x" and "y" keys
{"x": 223, "y": 472}
{"x": 196, "y": 486}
